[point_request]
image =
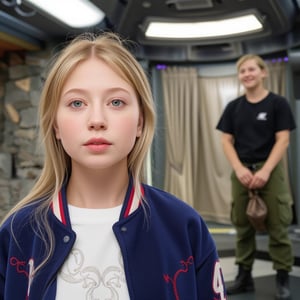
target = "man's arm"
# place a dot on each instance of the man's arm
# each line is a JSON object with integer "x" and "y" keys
{"x": 243, "y": 173}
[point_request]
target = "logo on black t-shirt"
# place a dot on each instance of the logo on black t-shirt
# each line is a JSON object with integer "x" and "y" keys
{"x": 262, "y": 116}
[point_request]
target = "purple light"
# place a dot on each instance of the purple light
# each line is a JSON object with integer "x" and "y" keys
{"x": 161, "y": 67}
{"x": 278, "y": 59}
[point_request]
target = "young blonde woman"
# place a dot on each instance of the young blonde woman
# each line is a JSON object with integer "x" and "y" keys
{"x": 255, "y": 136}
{"x": 90, "y": 228}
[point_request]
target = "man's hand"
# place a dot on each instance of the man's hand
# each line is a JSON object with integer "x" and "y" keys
{"x": 245, "y": 176}
{"x": 259, "y": 179}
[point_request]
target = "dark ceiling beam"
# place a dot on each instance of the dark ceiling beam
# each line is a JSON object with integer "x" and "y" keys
{"x": 17, "y": 32}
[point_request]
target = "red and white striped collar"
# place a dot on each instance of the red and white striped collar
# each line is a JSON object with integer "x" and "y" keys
{"x": 59, "y": 210}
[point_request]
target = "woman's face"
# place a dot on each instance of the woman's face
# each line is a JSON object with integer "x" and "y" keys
{"x": 98, "y": 117}
{"x": 250, "y": 74}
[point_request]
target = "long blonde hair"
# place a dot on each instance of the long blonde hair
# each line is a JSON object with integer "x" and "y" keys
{"x": 111, "y": 49}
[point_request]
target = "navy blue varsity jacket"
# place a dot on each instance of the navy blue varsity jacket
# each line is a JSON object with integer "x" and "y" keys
{"x": 167, "y": 251}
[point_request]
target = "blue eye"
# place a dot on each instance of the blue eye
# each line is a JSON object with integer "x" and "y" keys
{"x": 116, "y": 102}
{"x": 76, "y": 103}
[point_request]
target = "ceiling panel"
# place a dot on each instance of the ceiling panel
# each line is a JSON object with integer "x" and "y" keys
{"x": 24, "y": 28}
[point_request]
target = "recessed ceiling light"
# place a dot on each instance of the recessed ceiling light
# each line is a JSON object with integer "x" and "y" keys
{"x": 75, "y": 13}
{"x": 206, "y": 29}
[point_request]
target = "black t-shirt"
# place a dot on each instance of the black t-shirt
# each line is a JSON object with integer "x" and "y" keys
{"x": 253, "y": 125}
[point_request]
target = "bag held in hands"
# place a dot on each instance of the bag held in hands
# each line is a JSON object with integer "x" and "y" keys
{"x": 256, "y": 211}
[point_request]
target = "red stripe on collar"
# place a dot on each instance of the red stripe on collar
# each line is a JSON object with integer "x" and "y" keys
{"x": 133, "y": 203}
{"x": 61, "y": 208}
{"x": 130, "y": 201}
{"x": 58, "y": 209}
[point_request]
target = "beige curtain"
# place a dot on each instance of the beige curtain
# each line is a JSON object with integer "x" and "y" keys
{"x": 196, "y": 169}
{"x": 213, "y": 188}
{"x": 276, "y": 82}
{"x": 181, "y": 102}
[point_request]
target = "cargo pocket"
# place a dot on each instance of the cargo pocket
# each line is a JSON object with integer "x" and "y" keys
{"x": 285, "y": 209}
{"x": 238, "y": 214}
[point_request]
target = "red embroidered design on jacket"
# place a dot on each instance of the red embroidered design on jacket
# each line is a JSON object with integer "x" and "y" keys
{"x": 173, "y": 280}
{"x": 21, "y": 267}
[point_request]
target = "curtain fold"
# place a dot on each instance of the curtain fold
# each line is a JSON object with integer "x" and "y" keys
{"x": 276, "y": 82}
{"x": 180, "y": 102}
{"x": 214, "y": 170}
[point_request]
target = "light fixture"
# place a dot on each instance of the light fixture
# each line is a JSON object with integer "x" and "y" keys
{"x": 225, "y": 27}
{"x": 75, "y": 13}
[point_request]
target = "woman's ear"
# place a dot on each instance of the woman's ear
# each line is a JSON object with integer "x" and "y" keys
{"x": 56, "y": 131}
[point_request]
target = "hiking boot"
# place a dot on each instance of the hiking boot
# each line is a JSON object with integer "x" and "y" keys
{"x": 282, "y": 285}
{"x": 243, "y": 282}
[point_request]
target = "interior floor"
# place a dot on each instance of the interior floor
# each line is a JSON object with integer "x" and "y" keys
{"x": 263, "y": 273}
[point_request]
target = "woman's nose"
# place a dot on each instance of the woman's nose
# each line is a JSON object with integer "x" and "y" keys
{"x": 97, "y": 120}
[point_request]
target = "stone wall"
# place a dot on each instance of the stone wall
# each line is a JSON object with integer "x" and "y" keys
{"x": 20, "y": 155}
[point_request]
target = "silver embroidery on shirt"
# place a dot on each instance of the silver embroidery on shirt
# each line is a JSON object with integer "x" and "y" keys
{"x": 97, "y": 285}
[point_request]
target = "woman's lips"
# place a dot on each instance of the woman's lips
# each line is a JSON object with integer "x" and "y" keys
{"x": 97, "y": 144}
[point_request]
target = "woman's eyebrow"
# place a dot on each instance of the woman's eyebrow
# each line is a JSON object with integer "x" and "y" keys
{"x": 83, "y": 90}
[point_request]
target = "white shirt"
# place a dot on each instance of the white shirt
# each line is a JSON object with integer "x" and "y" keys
{"x": 94, "y": 269}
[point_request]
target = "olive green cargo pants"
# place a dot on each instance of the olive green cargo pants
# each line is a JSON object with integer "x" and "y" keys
{"x": 278, "y": 200}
